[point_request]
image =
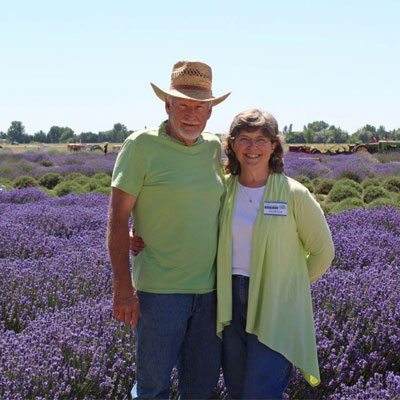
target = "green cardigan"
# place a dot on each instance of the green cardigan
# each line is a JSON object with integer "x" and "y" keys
{"x": 288, "y": 253}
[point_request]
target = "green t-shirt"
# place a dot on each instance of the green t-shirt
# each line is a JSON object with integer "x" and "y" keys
{"x": 178, "y": 191}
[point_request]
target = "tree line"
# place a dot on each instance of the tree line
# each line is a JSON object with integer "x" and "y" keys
{"x": 322, "y": 132}
{"x": 314, "y": 132}
{"x": 57, "y": 134}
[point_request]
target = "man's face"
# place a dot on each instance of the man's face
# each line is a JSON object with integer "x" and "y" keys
{"x": 187, "y": 118}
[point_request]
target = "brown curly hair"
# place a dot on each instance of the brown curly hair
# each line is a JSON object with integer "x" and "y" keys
{"x": 250, "y": 121}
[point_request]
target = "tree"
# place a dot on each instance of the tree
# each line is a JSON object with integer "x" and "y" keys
{"x": 88, "y": 137}
{"x": 54, "y": 134}
{"x": 364, "y": 134}
{"x": 66, "y": 135}
{"x": 370, "y": 128}
{"x": 318, "y": 126}
{"x": 295, "y": 137}
{"x": 120, "y": 133}
{"x": 16, "y": 132}
{"x": 59, "y": 134}
{"x": 338, "y": 135}
{"x": 396, "y": 134}
{"x": 321, "y": 137}
{"x": 382, "y": 133}
{"x": 308, "y": 134}
{"x": 40, "y": 137}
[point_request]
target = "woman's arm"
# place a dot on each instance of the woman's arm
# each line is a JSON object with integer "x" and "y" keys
{"x": 314, "y": 234}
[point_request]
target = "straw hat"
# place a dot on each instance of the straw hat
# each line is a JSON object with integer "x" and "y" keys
{"x": 190, "y": 80}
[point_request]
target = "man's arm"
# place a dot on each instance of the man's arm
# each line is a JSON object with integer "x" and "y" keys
{"x": 125, "y": 300}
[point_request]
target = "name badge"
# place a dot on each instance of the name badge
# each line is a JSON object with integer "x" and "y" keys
{"x": 275, "y": 208}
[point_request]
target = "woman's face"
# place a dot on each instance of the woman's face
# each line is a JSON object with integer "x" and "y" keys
{"x": 253, "y": 150}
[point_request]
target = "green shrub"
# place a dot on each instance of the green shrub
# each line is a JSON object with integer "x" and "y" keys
{"x": 50, "y": 180}
{"x": 309, "y": 186}
{"x": 92, "y": 185}
{"x": 349, "y": 203}
{"x": 354, "y": 176}
{"x": 82, "y": 180}
{"x": 396, "y": 200}
{"x": 26, "y": 167}
{"x": 5, "y": 181}
{"x": 370, "y": 182}
{"x": 100, "y": 175}
{"x": 67, "y": 187}
{"x": 103, "y": 190}
{"x": 7, "y": 169}
{"x": 341, "y": 192}
{"x": 302, "y": 179}
{"x": 323, "y": 185}
{"x": 349, "y": 182}
{"x": 392, "y": 184}
{"x": 373, "y": 192}
{"x": 24, "y": 181}
{"x": 74, "y": 175}
{"x": 48, "y": 191}
{"x": 102, "y": 178}
{"x": 381, "y": 201}
{"x": 78, "y": 178}
{"x": 7, "y": 185}
{"x": 46, "y": 163}
{"x": 326, "y": 208}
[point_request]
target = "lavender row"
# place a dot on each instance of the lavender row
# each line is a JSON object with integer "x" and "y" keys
{"x": 59, "y": 339}
{"x": 37, "y": 164}
{"x": 364, "y": 165}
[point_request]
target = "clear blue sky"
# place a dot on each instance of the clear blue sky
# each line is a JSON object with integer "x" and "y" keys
{"x": 87, "y": 64}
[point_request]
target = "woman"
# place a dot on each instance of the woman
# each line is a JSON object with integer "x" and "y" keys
{"x": 273, "y": 242}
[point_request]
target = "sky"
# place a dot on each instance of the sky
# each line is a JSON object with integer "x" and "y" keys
{"x": 88, "y": 64}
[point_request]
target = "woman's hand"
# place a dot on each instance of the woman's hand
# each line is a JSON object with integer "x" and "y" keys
{"x": 136, "y": 243}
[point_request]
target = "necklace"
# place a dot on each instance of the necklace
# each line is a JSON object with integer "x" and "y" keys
{"x": 253, "y": 202}
{"x": 247, "y": 195}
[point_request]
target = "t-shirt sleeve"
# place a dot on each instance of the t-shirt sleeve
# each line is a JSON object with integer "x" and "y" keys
{"x": 130, "y": 168}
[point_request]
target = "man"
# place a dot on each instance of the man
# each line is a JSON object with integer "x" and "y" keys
{"x": 170, "y": 178}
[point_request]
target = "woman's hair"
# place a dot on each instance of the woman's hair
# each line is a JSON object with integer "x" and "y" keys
{"x": 250, "y": 121}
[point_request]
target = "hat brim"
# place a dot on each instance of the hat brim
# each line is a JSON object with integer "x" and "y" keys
{"x": 187, "y": 94}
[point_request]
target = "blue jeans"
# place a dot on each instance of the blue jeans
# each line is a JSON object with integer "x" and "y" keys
{"x": 177, "y": 329}
{"x": 251, "y": 369}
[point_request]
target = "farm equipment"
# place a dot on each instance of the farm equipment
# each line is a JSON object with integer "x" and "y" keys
{"x": 76, "y": 146}
{"x": 378, "y": 147}
{"x": 299, "y": 148}
{"x": 335, "y": 149}
{"x": 93, "y": 147}
{"x": 81, "y": 146}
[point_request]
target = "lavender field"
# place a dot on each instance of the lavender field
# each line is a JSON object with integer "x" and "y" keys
{"x": 58, "y": 339}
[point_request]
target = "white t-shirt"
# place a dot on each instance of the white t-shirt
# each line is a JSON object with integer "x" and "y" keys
{"x": 244, "y": 216}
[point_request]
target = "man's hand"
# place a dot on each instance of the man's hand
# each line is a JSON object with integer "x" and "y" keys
{"x": 136, "y": 243}
{"x": 126, "y": 304}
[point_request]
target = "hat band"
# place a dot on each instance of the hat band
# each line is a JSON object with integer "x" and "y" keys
{"x": 192, "y": 88}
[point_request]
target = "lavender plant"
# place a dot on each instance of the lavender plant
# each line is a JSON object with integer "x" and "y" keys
{"x": 58, "y": 338}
